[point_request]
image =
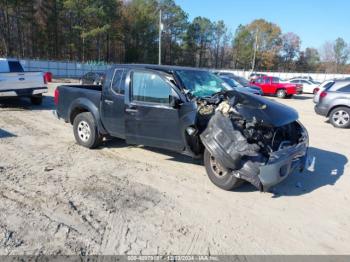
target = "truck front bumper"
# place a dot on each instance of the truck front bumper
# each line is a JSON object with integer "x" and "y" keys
{"x": 27, "y": 92}
{"x": 281, "y": 164}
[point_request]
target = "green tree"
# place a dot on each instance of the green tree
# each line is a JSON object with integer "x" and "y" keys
{"x": 140, "y": 31}
{"x": 290, "y": 49}
{"x": 175, "y": 22}
{"x": 198, "y": 39}
{"x": 265, "y": 36}
{"x": 341, "y": 53}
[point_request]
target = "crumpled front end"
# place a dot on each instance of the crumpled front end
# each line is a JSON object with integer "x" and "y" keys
{"x": 252, "y": 149}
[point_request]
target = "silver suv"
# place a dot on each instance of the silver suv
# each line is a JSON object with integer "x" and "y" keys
{"x": 334, "y": 103}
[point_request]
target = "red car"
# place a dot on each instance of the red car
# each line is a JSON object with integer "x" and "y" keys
{"x": 274, "y": 86}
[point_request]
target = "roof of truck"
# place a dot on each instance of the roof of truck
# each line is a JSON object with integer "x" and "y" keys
{"x": 8, "y": 59}
{"x": 160, "y": 67}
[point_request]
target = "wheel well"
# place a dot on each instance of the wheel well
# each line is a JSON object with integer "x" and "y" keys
{"x": 281, "y": 88}
{"x": 337, "y": 106}
{"x": 76, "y": 112}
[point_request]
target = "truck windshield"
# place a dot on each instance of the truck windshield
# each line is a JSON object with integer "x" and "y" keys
{"x": 201, "y": 83}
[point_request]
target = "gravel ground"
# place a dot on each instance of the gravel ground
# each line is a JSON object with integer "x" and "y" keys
{"x": 59, "y": 198}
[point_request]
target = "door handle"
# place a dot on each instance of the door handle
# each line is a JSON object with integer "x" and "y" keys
{"x": 108, "y": 102}
{"x": 131, "y": 110}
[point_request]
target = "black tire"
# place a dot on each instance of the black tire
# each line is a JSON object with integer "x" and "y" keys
{"x": 85, "y": 130}
{"x": 281, "y": 93}
{"x": 36, "y": 100}
{"x": 226, "y": 181}
{"x": 289, "y": 96}
{"x": 340, "y": 117}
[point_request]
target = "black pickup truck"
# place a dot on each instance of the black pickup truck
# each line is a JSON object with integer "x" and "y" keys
{"x": 241, "y": 136}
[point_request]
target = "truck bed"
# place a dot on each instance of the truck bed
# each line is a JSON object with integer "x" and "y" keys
{"x": 70, "y": 94}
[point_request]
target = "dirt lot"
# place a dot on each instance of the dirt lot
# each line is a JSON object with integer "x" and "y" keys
{"x": 59, "y": 198}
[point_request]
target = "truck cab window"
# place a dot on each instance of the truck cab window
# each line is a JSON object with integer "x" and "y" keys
{"x": 118, "y": 81}
{"x": 275, "y": 80}
{"x": 15, "y": 66}
{"x": 149, "y": 87}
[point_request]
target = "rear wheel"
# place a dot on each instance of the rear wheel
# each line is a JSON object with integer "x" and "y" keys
{"x": 219, "y": 175}
{"x": 340, "y": 117}
{"x": 281, "y": 93}
{"x": 85, "y": 130}
{"x": 37, "y": 100}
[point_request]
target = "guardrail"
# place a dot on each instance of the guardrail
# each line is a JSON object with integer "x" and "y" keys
{"x": 315, "y": 76}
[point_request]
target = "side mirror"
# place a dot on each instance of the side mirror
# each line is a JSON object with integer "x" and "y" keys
{"x": 174, "y": 102}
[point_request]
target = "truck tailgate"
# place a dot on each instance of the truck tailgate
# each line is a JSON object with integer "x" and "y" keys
{"x": 21, "y": 80}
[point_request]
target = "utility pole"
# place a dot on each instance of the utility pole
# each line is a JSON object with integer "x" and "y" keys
{"x": 255, "y": 50}
{"x": 160, "y": 37}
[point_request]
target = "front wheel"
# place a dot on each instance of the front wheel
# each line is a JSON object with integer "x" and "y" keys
{"x": 85, "y": 130}
{"x": 219, "y": 175}
{"x": 281, "y": 93}
{"x": 37, "y": 100}
{"x": 340, "y": 117}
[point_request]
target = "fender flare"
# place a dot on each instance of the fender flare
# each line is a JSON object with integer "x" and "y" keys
{"x": 85, "y": 105}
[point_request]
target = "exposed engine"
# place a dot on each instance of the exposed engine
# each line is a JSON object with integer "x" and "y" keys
{"x": 268, "y": 138}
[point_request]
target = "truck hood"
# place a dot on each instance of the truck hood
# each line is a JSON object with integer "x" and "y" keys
{"x": 262, "y": 109}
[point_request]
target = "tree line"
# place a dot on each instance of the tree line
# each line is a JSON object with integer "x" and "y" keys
{"x": 126, "y": 31}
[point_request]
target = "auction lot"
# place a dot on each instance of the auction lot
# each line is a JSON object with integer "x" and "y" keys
{"x": 59, "y": 198}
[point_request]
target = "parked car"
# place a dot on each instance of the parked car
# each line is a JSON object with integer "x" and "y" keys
{"x": 302, "y": 77}
{"x": 238, "y": 87}
{"x": 322, "y": 87}
{"x": 275, "y": 86}
{"x": 14, "y": 82}
{"x": 309, "y": 86}
{"x": 254, "y": 76}
{"x": 241, "y": 80}
{"x": 92, "y": 78}
{"x": 334, "y": 103}
{"x": 242, "y": 137}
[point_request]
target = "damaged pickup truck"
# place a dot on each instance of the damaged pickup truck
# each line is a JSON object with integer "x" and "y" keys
{"x": 243, "y": 137}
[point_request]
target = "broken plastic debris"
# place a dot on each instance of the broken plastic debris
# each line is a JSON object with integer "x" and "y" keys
{"x": 310, "y": 164}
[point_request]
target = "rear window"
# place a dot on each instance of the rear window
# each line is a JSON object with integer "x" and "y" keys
{"x": 345, "y": 89}
{"x": 118, "y": 81}
{"x": 15, "y": 66}
{"x": 329, "y": 85}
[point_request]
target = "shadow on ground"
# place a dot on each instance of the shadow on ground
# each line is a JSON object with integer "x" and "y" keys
{"x": 6, "y": 134}
{"x": 173, "y": 156}
{"x": 302, "y": 97}
{"x": 20, "y": 104}
{"x": 325, "y": 170}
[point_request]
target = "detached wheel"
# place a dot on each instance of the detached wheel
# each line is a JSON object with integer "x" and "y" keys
{"x": 281, "y": 93}
{"x": 340, "y": 117}
{"x": 218, "y": 175}
{"x": 85, "y": 130}
{"x": 36, "y": 100}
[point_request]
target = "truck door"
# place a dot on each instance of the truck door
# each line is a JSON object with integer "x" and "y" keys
{"x": 269, "y": 87}
{"x": 150, "y": 119}
{"x": 113, "y": 103}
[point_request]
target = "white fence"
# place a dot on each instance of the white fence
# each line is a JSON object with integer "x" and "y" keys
{"x": 62, "y": 69}
{"x": 316, "y": 76}
{"x": 76, "y": 70}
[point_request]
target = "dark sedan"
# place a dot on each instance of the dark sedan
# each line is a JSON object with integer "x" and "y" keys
{"x": 92, "y": 78}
